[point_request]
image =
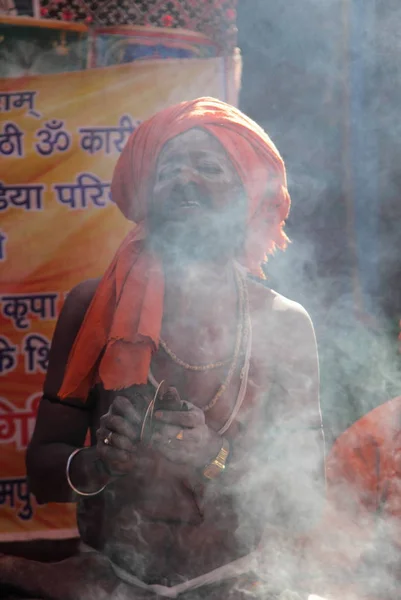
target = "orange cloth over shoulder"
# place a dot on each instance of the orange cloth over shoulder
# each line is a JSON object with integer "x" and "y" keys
{"x": 122, "y": 325}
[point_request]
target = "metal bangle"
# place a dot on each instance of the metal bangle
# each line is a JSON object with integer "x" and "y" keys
{"x": 72, "y": 486}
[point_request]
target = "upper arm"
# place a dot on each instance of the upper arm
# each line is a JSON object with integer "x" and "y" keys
{"x": 68, "y": 325}
{"x": 296, "y": 370}
{"x": 296, "y": 440}
{"x": 58, "y": 422}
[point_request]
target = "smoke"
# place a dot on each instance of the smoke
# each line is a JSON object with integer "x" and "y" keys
{"x": 323, "y": 79}
{"x": 321, "y": 76}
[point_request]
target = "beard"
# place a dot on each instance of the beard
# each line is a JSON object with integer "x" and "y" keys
{"x": 188, "y": 228}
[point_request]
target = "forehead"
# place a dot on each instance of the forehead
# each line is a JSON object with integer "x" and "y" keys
{"x": 194, "y": 140}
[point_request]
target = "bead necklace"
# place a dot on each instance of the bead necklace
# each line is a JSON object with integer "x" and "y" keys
{"x": 181, "y": 363}
{"x": 238, "y": 343}
{"x": 242, "y": 333}
{"x": 218, "y": 364}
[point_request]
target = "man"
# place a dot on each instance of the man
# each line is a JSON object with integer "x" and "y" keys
{"x": 359, "y": 539}
{"x": 205, "y": 494}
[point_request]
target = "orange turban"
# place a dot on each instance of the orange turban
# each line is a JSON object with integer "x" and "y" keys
{"x": 122, "y": 325}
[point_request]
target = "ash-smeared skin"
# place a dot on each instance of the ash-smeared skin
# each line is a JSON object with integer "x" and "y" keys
{"x": 198, "y": 207}
{"x": 157, "y": 520}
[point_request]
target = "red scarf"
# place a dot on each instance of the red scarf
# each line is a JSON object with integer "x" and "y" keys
{"x": 122, "y": 325}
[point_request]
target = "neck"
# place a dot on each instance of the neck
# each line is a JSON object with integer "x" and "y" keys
{"x": 195, "y": 289}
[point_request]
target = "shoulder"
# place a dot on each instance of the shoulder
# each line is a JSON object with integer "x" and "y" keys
{"x": 73, "y": 312}
{"x": 278, "y": 317}
{"x": 79, "y": 299}
{"x": 68, "y": 325}
{"x": 284, "y": 346}
{"x": 83, "y": 292}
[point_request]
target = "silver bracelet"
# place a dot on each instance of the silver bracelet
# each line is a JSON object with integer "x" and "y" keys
{"x": 72, "y": 486}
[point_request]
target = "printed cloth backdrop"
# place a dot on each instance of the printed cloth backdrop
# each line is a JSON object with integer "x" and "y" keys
{"x": 60, "y": 136}
{"x": 41, "y": 46}
{"x": 215, "y": 19}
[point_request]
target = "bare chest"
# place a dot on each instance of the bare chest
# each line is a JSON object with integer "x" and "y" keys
{"x": 222, "y": 386}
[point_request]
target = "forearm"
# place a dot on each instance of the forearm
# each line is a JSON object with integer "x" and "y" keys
{"x": 46, "y": 467}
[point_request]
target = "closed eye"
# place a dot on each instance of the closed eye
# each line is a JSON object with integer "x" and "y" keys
{"x": 166, "y": 173}
{"x": 210, "y": 168}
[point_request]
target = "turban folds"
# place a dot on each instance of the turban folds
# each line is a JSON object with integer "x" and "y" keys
{"x": 122, "y": 325}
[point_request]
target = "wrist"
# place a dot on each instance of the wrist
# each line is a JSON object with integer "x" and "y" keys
{"x": 213, "y": 448}
{"x": 216, "y": 466}
{"x": 104, "y": 474}
{"x": 85, "y": 473}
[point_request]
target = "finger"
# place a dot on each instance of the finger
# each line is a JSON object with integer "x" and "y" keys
{"x": 113, "y": 455}
{"x": 190, "y": 419}
{"x": 102, "y": 434}
{"x": 174, "y": 454}
{"x": 119, "y": 425}
{"x": 166, "y": 434}
{"x": 177, "y": 439}
{"x": 122, "y": 407}
{"x": 121, "y": 442}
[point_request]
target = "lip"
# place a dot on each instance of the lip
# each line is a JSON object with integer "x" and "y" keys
{"x": 189, "y": 205}
{"x": 183, "y": 212}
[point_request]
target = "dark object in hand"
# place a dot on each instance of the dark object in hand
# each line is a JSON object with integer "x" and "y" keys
{"x": 140, "y": 396}
{"x": 146, "y": 400}
{"x": 170, "y": 400}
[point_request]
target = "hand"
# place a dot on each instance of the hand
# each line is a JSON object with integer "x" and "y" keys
{"x": 197, "y": 444}
{"x": 121, "y": 425}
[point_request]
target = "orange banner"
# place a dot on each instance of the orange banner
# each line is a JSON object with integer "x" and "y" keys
{"x": 60, "y": 136}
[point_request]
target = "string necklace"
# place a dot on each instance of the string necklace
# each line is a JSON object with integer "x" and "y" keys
{"x": 216, "y": 365}
{"x": 243, "y": 332}
{"x": 189, "y": 367}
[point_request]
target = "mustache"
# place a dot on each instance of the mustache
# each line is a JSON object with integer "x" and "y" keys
{"x": 190, "y": 192}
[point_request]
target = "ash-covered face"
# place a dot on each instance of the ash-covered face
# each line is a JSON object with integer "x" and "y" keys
{"x": 198, "y": 206}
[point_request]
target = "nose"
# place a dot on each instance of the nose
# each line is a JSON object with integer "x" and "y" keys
{"x": 186, "y": 174}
